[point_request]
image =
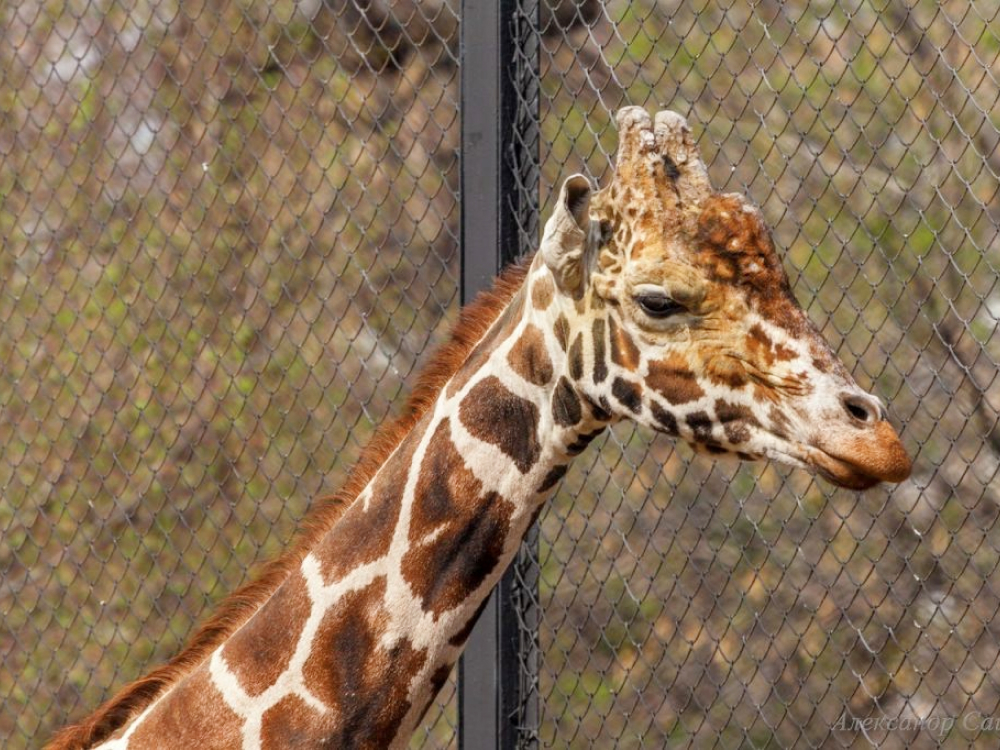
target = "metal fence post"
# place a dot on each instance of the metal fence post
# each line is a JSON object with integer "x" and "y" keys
{"x": 499, "y": 188}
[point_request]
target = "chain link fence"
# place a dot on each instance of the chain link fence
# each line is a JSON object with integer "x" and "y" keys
{"x": 230, "y": 231}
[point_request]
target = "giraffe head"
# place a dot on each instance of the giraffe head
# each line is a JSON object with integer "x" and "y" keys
{"x": 676, "y": 312}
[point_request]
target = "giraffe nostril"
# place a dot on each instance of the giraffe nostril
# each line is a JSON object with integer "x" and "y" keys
{"x": 863, "y": 408}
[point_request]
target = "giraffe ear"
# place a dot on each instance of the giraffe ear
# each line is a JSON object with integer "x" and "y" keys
{"x": 564, "y": 242}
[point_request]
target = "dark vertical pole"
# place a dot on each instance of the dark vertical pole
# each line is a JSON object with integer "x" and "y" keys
{"x": 499, "y": 173}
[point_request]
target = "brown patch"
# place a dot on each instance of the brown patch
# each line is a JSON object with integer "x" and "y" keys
{"x": 576, "y": 357}
{"x": 736, "y": 421}
{"x": 542, "y": 292}
{"x": 784, "y": 353}
{"x": 260, "y": 651}
{"x": 364, "y": 682}
{"x": 600, "y": 409}
{"x": 469, "y": 528}
{"x": 759, "y": 347}
{"x": 493, "y": 414}
{"x": 566, "y": 408}
{"x": 529, "y": 358}
{"x": 474, "y": 323}
{"x": 552, "y": 478}
{"x": 629, "y": 394}
{"x": 579, "y": 445}
{"x": 727, "y": 371}
{"x": 701, "y": 425}
{"x": 439, "y": 678}
{"x": 600, "y": 366}
{"x": 624, "y": 352}
{"x": 734, "y": 246}
{"x": 674, "y": 380}
{"x": 194, "y": 715}
{"x": 339, "y": 552}
{"x": 561, "y": 328}
{"x": 291, "y": 723}
{"x": 666, "y": 420}
{"x": 763, "y": 391}
{"x": 823, "y": 358}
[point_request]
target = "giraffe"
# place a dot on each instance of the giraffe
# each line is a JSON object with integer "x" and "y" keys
{"x": 656, "y": 300}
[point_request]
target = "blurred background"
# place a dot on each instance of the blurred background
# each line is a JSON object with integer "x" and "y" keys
{"x": 229, "y": 236}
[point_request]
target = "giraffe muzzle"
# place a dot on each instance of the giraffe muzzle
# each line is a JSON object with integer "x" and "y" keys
{"x": 859, "y": 459}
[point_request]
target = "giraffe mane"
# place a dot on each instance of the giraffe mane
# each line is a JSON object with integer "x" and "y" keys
{"x": 475, "y": 320}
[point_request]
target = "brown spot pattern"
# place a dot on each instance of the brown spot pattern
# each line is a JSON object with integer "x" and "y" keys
{"x": 759, "y": 346}
{"x": 529, "y": 357}
{"x": 561, "y": 328}
{"x": 736, "y": 421}
{"x": 339, "y": 552}
{"x": 735, "y": 241}
{"x": 365, "y": 683}
{"x": 600, "y": 409}
{"x": 629, "y": 394}
{"x": 291, "y": 723}
{"x": 260, "y": 651}
{"x": 666, "y": 420}
{"x": 727, "y": 371}
{"x": 552, "y": 478}
{"x": 701, "y": 425}
{"x": 469, "y": 528}
{"x": 600, "y": 366}
{"x": 566, "y": 407}
{"x": 734, "y": 247}
{"x": 624, "y": 352}
{"x": 579, "y": 445}
{"x": 784, "y": 353}
{"x": 576, "y": 357}
{"x": 764, "y": 351}
{"x": 439, "y": 678}
{"x": 542, "y": 292}
{"x": 474, "y": 323}
{"x": 203, "y": 723}
{"x": 673, "y": 379}
{"x": 491, "y": 413}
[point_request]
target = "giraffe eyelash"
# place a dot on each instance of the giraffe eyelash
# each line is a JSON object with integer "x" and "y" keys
{"x": 659, "y": 305}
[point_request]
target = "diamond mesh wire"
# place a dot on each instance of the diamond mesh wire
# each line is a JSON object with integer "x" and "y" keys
{"x": 229, "y": 232}
{"x": 693, "y": 603}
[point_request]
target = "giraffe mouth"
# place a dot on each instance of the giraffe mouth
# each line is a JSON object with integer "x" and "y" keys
{"x": 838, "y": 471}
{"x": 843, "y": 472}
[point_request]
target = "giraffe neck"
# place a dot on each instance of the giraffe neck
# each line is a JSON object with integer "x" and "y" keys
{"x": 352, "y": 647}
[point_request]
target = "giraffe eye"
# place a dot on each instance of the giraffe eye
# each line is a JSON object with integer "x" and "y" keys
{"x": 659, "y": 305}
